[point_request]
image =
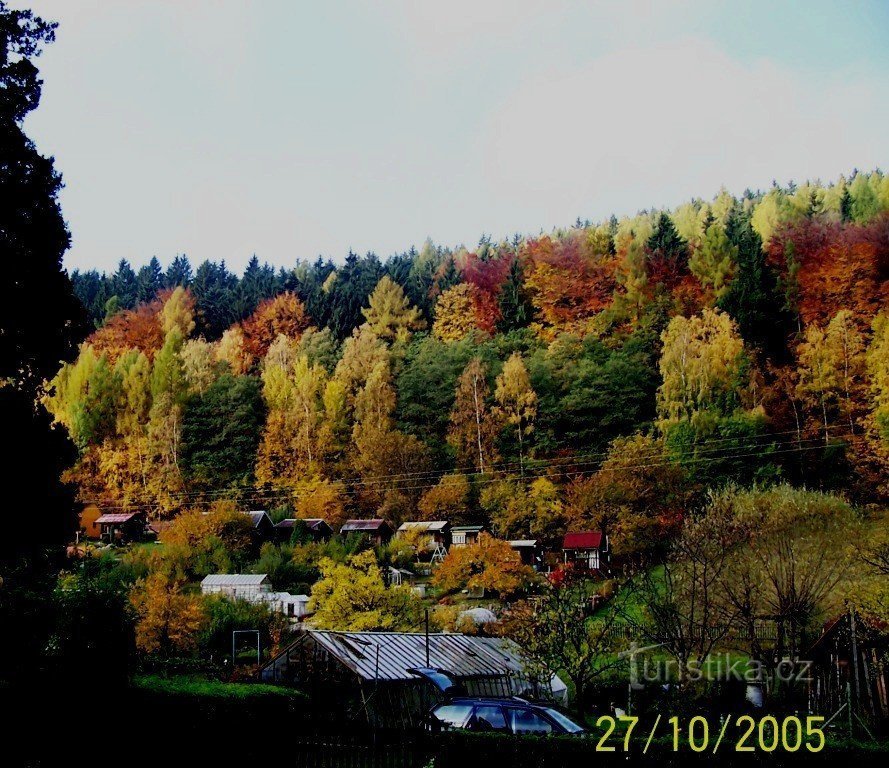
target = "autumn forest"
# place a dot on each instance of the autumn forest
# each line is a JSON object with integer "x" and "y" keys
{"x": 605, "y": 375}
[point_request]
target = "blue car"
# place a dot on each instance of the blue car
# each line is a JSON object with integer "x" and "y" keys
{"x": 508, "y": 715}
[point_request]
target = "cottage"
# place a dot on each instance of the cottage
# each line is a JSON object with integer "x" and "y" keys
{"x": 383, "y": 678}
{"x": 237, "y": 586}
{"x": 263, "y": 527}
{"x": 315, "y": 529}
{"x": 292, "y": 606}
{"x": 464, "y": 535}
{"x": 529, "y": 551}
{"x": 121, "y": 527}
{"x": 432, "y": 538}
{"x": 377, "y": 531}
{"x": 587, "y": 550}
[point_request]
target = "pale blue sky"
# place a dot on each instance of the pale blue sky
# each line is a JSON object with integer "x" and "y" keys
{"x": 292, "y": 129}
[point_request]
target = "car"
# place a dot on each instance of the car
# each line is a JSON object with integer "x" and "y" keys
{"x": 513, "y": 715}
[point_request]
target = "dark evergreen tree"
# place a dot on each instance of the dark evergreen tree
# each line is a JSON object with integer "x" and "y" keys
{"x": 149, "y": 281}
{"x": 349, "y": 292}
{"x": 516, "y": 310}
{"x": 41, "y": 322}
{"x": 215, "y": 291}
{"x": 667, "y": 254}
{"x": 754, "y": 299}
{"x": 259, "y": 282}
{"x": 125, "y": 286}
{"x": 178, "y": 273}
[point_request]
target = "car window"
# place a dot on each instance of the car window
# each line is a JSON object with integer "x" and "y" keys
{"x": 453, "y": 715}
{"x": 488, "y": 718}
{"x": 569, "y": 725}
{"x": 526, "y": 721}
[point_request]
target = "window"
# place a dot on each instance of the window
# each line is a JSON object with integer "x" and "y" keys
{"x": 488, "y": 718}
{"x": 569, "y": 725}
{"x": 453, "y": 715}
{"x": 525, "y": 721}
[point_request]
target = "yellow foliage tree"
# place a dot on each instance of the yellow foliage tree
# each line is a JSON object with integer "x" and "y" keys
{"x": 353, "y": 597}
{"x": 455, "y": 313}
{"x": 390, "y": 315}
{"x": 168, "y": 620}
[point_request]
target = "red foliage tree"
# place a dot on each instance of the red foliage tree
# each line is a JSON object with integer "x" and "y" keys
{"x": 826, "y": 267}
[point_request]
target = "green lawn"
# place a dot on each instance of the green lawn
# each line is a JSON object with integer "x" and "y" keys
{"x": 198, "y": 685}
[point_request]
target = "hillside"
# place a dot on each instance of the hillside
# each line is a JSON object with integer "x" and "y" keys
{"x": 609, "y": 372}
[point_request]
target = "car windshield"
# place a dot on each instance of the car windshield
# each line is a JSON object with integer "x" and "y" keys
{"x": 569, "y": 725}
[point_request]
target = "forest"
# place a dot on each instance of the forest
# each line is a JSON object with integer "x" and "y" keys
{"x": 607, "y": 375}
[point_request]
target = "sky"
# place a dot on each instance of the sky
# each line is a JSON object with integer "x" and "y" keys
{"x": 227, "y": 128}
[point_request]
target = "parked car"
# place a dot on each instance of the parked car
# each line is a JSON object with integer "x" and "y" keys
{"x": 509, "y": 715}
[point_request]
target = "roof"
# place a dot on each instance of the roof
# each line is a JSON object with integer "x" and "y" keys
{"x": 582, "y": 540}
{"x": 364, "y": 525}
{"x": 424, "y": 525}
{"x": 257, "y": 516}
{"x": 468, "y": 528}
{"x": 117, "y": 517}
{"x": 389, "y": 655}
{"x": 517, "y": 543}
{"x": 234, "y": 579}
{"x": 312, "y": 523}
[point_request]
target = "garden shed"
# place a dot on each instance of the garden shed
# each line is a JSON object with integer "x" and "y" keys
{"x": 376, "y": 677}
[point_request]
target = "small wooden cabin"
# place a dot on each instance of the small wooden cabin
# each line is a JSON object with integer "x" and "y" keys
{"x": 432, "y": 537}
{"x": 315, "y": 528}
{"x": 377, "y": 531}
{"x": 465, "y": 535}
{"x": 121, "y": 527}
{"x": 586, "y": 550}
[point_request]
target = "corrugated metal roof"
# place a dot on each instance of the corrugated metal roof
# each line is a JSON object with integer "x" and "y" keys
{"x": 363, "y": 525}
{"x": 424, "y": 525}
{"x": 234, "y": 579}
{"x": 523, "y": 543}
{"x": 117, "y": 517}
{"x": 389, "y": 655}
{"x": 468, "y": 528}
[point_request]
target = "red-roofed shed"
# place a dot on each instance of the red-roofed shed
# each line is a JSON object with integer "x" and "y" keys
{"x": 586, "y": 549}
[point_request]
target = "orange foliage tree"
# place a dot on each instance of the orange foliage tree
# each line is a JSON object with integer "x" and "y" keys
{"x": 569, "y": 282}
{"x": 490, "y": 565}
{"x": 283, "y": 315}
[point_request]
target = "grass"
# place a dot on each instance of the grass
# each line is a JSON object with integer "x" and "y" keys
{"x": 204, "y": 687}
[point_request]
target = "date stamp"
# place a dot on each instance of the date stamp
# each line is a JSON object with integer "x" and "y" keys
{"x": 743, "y": 733}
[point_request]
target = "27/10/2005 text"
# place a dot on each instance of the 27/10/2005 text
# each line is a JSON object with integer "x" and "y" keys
{"x": 743, "y": 733}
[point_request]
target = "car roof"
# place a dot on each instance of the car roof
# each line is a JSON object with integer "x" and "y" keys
{"x": 514, "y": 701}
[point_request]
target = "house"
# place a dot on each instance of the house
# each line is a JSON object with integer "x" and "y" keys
{"x": 292, "y": 606}
{"x": 377, "y": 531}
{"x": 315, "y": 529}
{"x": 849, "y": 664}
{"x": 263, "y": 527}
{"x": 529, "y": 551}
{"x": 121, "y": 527}
{"x": 391, "y": 679}
{"x": 464, "y": 535}
{"x": 587, "y": 550}
{"x": 237, "y": 586}
{"x": 432, "y": 538}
